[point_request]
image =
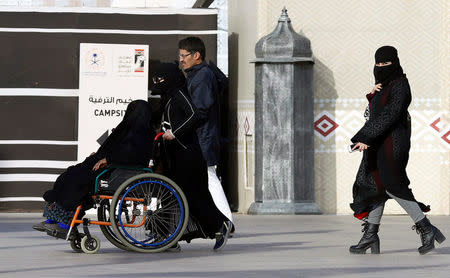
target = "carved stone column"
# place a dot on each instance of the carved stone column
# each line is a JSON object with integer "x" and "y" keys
{"x": 284, "y": 131}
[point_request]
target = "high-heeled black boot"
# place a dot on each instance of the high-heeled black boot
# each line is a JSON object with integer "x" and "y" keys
{"x": 428, "y": 234}
{"x": 369, "y": 239}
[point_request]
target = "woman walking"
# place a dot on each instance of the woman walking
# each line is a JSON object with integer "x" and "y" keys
{"x": 385, "y": 141}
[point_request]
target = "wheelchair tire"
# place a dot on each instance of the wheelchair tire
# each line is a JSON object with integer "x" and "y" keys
{"x": 156, "y": 207}
{"x": 90, "y": 246}
{"x": 103, "y": 215}
{"x": 75, "y": 243}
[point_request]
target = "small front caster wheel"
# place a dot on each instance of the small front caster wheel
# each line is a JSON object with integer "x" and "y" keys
{"x": 75, "y": 243}
{"x": 90, "y": 246}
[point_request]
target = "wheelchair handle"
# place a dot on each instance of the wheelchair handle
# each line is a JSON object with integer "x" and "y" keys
{"x": 158, "y": 135}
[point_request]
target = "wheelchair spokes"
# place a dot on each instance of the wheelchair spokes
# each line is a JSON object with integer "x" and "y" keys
{"x": 158, "y": 210}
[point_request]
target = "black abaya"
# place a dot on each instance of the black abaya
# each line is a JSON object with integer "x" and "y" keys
{"x": 130, "y": 143}
{"x": 188, "y": 169}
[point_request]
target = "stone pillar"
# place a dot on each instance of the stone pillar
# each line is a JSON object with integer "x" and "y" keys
{"x": 284, "y": 131}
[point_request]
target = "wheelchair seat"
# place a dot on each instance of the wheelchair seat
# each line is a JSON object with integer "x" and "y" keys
{"x": 109, "y": 180}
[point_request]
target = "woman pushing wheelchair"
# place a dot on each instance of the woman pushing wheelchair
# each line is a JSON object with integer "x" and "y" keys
{"x": 183, "y": 158}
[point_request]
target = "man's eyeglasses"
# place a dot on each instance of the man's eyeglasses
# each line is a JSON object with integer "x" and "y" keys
{"x": 184, "y": 55}
{"x": 157, "y": 80}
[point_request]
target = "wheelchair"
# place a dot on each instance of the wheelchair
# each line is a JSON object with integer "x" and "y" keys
{"x": 147, "y": 212}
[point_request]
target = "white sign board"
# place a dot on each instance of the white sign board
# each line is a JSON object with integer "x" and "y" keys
{"x": 111, "y": 76}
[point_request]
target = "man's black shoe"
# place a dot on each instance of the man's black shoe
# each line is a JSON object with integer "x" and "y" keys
{"x": 222, "y": 236}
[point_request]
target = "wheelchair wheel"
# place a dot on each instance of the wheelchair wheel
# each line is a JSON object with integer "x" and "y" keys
{"x": 153, "y": 213}
{"x": 103, "y": 215}
{"x": 90, "y": 246}
{"x": 75, "y": 243}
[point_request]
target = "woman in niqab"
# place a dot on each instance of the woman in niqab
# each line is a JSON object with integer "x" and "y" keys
{"x": 385, "y": 142}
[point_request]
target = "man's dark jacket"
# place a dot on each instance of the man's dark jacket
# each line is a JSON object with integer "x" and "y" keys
{"x": 202, "y": 88}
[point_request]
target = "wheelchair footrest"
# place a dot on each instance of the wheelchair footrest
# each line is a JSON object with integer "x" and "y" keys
{"x": 59, "y": 234}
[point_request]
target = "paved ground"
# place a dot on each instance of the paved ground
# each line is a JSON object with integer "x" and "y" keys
{"x": 264, "y": 246}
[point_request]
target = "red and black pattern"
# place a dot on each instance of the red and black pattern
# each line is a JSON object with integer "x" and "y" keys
{"x": 388, "y": 133}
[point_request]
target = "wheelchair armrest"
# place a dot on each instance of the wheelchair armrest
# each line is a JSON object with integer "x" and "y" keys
{"x": 129, "y": 167}
{"x": 111, "y": 168}
{"x": 97, "y": 178}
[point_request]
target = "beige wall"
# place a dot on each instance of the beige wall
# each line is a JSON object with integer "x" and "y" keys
{"x": 243, "y": 35}
{"x": 344, "y": 35}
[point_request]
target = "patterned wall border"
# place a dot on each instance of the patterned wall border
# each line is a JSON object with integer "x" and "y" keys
{"x": 428, "y": 126}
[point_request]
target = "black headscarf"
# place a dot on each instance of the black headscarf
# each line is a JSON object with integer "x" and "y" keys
{"x": 173, "y": 79}
{"x": 386, "y": 74}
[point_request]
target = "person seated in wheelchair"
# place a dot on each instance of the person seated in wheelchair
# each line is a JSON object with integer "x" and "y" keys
{"x": 128, "y": 144}
{"x": 182, "y": 158}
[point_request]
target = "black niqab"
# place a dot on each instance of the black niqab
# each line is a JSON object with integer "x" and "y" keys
{"x": 386, "y": 74}
{"x": 173, "y": 78}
